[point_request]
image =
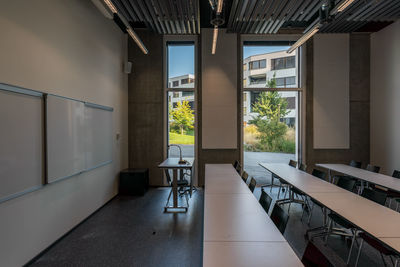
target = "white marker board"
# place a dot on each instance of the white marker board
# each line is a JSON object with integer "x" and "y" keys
{"x": 98, "y": 123}
{"x": 65, "y": 137}
{"x": 21, "y": 142}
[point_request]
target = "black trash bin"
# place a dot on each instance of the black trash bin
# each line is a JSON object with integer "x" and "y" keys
{"x": 134, "y": 181}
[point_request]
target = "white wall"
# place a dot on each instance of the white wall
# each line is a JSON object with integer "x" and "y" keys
{"x": 219, "y": 91}
{"x": 64, "y": 47}
{"x": 385, "y": 98}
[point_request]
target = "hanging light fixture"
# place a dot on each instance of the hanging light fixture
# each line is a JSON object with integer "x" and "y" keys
{"x": 216, "y": 20}
{"x": 123, "y": 23}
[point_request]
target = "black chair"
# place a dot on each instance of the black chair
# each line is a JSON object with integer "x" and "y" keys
{"x": 335, "y": 218}
{"x": 381, "y": 248}
{"x": 235, "y": 164}
{"x": 303, "y": 167}
{"x": 238, "y": 168}
{"x": 282, "y": 184}
{"x": 373, "y": 168}
{"x": 252, "y": 184}
{"x": 265, "y": 201}
{"x": 245, "y": 175}
{"x": 394, "y": 194}
{"x": 183, "y": 187}
{"x": 313, "y": 257}
{"x": 280, "y": 218}
{"x": 370, "y": 194}
{"x": 355, "y": 164}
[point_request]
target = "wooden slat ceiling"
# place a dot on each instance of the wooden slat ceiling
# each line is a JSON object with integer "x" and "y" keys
{"x": 255, "y": 16}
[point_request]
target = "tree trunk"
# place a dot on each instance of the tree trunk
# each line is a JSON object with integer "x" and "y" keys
{"x": 181, "y": 130}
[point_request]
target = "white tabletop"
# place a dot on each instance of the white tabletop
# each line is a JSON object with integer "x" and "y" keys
{"x": 255, "y": 254}
{"x": 237, "y": 230}
{"x": 301, "y": 180}
{"x": 173, "y": 163}
{"x": 378, "y": 220}
{"x": 224, "y": 180}
{"x": 237, "y": 217}
{"x": 372, "y": 177}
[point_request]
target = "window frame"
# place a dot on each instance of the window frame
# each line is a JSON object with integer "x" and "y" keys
{"x": 183, "y": 40}
{"x": 301, "y": 68}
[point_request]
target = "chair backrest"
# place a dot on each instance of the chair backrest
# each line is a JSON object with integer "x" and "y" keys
{"x": 280, "y": 218}
{"x": 378, "y": 197}
{"x": 303, "y": 167}
{"x": 355, "y": 164}
{"x": 252, "y": 184}
{"x": 235, "y": 164}
{"x": 313, "y": 257}
{"x": 347, "y": 184}
{"x": 293, "y": 163}
{"x": 245, "y": 175}
{"x": 265, "y": 200}
{"x": 373, "y": 168}
{"x": 319, "y": 174}
{"x": 396, "y": 174}
{"x": 238, "y": 168}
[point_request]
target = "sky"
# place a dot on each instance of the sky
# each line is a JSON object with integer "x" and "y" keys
{"x": 181, "y": 60}
{"x": 255, "y": 50}
{"x": 181, "y": 57}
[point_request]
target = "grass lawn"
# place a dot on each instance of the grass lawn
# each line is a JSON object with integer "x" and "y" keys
{"x": 181, "y": 139}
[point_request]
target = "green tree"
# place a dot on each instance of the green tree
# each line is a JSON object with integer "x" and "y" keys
{"x": 183, "y": 116}
{"x": 271, "y": 108}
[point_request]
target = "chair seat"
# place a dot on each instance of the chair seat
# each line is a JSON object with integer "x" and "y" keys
{"x": 182, "y": 182}
{"x": 339, "y": 220}
{"x": 376, "y": 244}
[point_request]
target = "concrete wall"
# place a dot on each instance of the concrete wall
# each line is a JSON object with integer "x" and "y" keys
{"x": 359, "y": 107}
{"x": 146, "y": 106}
{"x": 63, "y": 47}
{"x": 385, "y": 96}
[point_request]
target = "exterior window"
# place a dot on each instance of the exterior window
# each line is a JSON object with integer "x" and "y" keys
{"x": 175, "y": 83}
{"x": 283, "y": 63}
{"x": 286, "y": 81}
{"x": 244, "y": 82}
{"x": 280, "y": 82}
{"x": 175, "y": 94}
{"x": 187, "y": 93}
{"x": 185, "y": 81}
{"x": 291, "y": 102}
{"x": 244, "y": 67}
{"x": 258, "y": 64}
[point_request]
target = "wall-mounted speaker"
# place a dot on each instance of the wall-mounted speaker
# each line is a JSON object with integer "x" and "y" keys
{"x": 128, "y": 67}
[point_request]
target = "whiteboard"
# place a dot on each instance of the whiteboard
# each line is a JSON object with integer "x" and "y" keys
{"x": 65, "y": 137}
{"x": 21, "y": 143}
{"x": 99, "y": 129}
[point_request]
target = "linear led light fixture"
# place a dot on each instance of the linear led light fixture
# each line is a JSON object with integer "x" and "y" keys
{"x": 219, "y": 6}
{"x": 343, "y": 5}
{"x": 111, "y": 6}
{"x": 137, "y": 40}
{"x": 130, "y": 31}
{"x": 307, "y": 35}
{"x": 214, "y": 42}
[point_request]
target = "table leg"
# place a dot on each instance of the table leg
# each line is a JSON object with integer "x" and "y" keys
{"x": 175, "y": 187}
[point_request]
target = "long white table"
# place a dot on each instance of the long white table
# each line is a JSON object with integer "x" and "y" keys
{"x": 371, "y": 177}
{"x": 377, "y": 220}
{"x": 237, "y": 231}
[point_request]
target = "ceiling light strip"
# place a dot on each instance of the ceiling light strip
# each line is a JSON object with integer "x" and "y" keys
{"x": 130, "y": 31}
{"x": 214, "y": 42}
{"x": 304, "y": 38}
{"x": 137, "y": 40}
{"x": 111, "y": 6}
{"x": 219, "y": 6}
{"x": 343, "y": 5}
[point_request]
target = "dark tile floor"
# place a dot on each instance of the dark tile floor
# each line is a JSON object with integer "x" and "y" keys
{"x": 134, "y": 231}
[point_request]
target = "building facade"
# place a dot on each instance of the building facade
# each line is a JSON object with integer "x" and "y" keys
{"x": 258, "y": 70}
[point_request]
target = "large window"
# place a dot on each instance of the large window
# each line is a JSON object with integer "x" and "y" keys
{"x": 270, "y": 109}
{"x": 269, "y": 66}
{"x": 181, "y": 98}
